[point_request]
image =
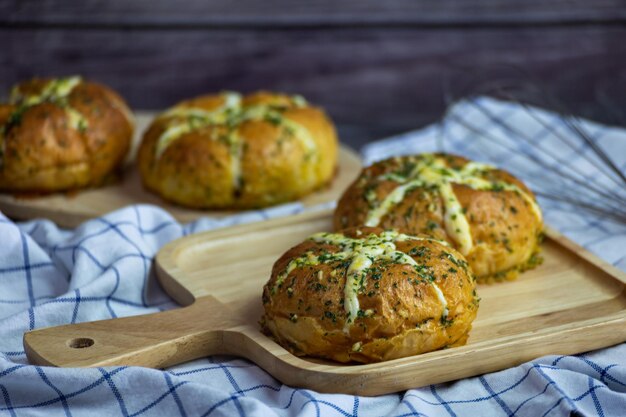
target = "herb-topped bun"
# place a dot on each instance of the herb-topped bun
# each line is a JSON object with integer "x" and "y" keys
{"x": 233, "y": 151}
{"x": 60, "y": 134}
{"x": 369, "y": 295}
{"x": 486, "y": 213}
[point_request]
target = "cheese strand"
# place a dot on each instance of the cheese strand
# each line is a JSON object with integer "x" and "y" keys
{"x": 433, "y": 172}
{"x": 362, "y": 253}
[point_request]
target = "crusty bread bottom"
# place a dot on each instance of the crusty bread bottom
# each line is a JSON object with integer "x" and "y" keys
{"x": 311, "y": 338}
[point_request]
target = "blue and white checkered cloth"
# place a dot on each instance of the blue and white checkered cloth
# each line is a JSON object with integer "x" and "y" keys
{"x": 100, "y": 270}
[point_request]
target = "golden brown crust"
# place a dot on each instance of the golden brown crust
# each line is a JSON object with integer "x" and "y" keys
{"x": 504, "y": 228}
{"x": 400, "y": 313}
{"x": 62, "y": 142}
{"x": 276, "y": 164}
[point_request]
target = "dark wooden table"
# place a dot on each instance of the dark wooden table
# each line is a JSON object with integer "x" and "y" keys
{"x": 379, "y": 67}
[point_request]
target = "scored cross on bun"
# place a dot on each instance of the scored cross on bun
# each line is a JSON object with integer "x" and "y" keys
{"x": 369, "y": 295}
{"x": 233, "y": 151}
{"x": 490, "y": 216}
{"x": 60, "y": 134}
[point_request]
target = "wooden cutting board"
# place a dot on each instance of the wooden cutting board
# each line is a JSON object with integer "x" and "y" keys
{"x": 572, "y": 303}
{"x": 70, "y": 210}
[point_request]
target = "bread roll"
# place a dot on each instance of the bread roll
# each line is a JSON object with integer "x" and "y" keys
{"x": 232, "y": 151}
{"x": 490, "y": 216}
{"x": 368, "y": 295}
{"x": 61, "y": 134}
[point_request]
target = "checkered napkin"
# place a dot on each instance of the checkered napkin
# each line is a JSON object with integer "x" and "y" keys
{"x": 101, "y": 270}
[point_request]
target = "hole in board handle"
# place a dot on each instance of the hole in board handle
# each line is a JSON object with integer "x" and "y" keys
{"x": 80, "y": 343}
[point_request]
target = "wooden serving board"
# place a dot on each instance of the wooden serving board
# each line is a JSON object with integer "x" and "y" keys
{"x": 70, "y": 210}
{"x": 572, "y": 303}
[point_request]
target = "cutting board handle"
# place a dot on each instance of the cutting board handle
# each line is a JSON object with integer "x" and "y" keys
{"x": 173, "y": 337}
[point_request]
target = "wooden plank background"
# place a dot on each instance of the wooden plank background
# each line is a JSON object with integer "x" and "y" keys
{"x": 378, "y": 67}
